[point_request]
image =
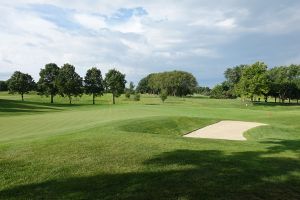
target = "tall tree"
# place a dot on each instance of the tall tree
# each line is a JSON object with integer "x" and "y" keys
{"x": 283, "y": 80}
{"x": 131, "y": 87}
{"x": 47, "y": 82}
{"x": 69, "y": 83}
{"x": 93, "y": 83}
{"x": 143, "y": 85}
{"x": 115, "y": 82}
{"x": 20, "y": 83}
{"x": 254, "y": 80}
{"x": 233, "y": 76}
{"x": 129, "y": 91}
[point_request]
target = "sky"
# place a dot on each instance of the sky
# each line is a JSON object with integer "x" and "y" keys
{"x": 139, "y": 37}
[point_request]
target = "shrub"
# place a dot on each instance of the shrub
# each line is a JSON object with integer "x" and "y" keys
{"x": 163, "y": 95}
{"x": 127, "y": 94}
{"x": 137, "y": 97}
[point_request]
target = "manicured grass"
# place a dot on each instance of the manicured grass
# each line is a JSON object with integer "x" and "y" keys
{"x": 135, "y": 150}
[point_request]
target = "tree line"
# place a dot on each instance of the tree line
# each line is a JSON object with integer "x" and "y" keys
{"x": 173, "y": 83}
{"x": 256, "y": 80}
{"x": 65, "y": 81}
{"x": 247, "y": 81}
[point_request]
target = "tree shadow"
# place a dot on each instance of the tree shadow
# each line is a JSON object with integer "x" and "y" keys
{"x": 278, "y": 146}
{"x": 13, "y": 106}
{"x": 183, "y": 174}
{"x": 256, "y": 103}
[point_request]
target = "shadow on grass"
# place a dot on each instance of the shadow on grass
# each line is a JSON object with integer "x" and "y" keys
{"x": 198, "y": 97}
{"x": 279, "y": 146}
{"x": 19, "y": 107}
{"x": 274, "y": 104}
{"x": 183, "y": 174}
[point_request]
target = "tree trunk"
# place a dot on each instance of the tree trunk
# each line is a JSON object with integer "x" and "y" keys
{"x": 275, "y": 99}
{"x": 297, "y": 100}
{"x": 113, "y": 98}
{"x": 251, "y": 99}
{"x": 22, "y": 95}
{"x": 51, "y": 98}
{"x": 289, "y": 100}
{"x": 70, "y": 99}
{"x": 93, "y": 98}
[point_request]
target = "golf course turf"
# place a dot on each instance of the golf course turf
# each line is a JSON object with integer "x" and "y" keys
{"x": 135, "y": 150}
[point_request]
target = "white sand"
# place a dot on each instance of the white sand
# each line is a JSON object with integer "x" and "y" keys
{"x": 227, "y": 130}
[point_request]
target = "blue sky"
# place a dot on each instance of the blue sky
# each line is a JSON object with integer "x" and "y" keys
{"x": 141, "y": 37}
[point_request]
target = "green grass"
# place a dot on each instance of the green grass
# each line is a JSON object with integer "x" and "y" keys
{"x": 135, "y": 150}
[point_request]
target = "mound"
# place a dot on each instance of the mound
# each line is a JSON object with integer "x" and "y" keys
{"x": 166, "y": 125}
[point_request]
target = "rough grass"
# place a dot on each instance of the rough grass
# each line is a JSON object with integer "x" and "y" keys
{"x": 134, "y": 150}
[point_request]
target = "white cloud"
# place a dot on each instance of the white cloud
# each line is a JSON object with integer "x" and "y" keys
{"x": 90, "y": 21}
{"x": 184, "y": 34}
{"x": 227, "y": 23}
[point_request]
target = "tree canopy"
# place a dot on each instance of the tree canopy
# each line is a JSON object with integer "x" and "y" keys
{"x": 93, "y": 83}
{"x": 176, "y": 83}
{"x": 3, "y": 86}
{"x": 47, "y": 82}
{"x": 115, "y": 83}
{"x": 254, "y": 80}
{"x": 20, "y": 83}
{"x": 69, "y": 83}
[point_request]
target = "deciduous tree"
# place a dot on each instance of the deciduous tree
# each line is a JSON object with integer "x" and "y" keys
{"x": 254, "y": 80}
{"x": 69, "y": 83}
{"x": 47, "y": 82}
{"x": 93, "y": 83}
{"x": 115, "y": 82}
{"x": 20, "y": 83}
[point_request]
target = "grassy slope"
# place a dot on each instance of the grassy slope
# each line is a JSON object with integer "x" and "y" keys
{"x": 134, "y": 150}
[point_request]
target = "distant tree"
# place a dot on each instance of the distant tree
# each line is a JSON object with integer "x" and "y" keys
{"x": 233, "y": 76}
{"x": 222, "y": 91}
{"x": 143, "y": 85}
{"x": 283, "y": 81}
{"x": 163, "y": 95}
{"x": 273, "y": 85}
{"x": 297, "y": 90}
{"x": 203, "y": 90}
{"x": 176, "y": 83}
{"x": 129, "y": 91}
{"x": 254, "y": 80}
{"x": 3, "y": 86}
{"x": 20, "y": 83}
{"x": 47, "y": 82}
{"x": 137, "y": 97}
{"x": 131, "y": 87}
{"x": 115, "y": 82}
{"x": 93, "y": 83}
{"x": 217, "y": 92}
{"x": 69, "y": 83}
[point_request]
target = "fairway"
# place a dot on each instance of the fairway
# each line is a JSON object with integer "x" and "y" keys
{"x": 135, "y": 150}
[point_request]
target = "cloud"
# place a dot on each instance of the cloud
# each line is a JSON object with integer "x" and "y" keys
{"x": 140, "y": 37}
{"x": 90, "y": 21}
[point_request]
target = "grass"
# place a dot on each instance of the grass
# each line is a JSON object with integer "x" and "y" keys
{"x": 134, "y": 150}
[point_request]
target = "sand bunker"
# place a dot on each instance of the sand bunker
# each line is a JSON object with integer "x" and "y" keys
{"x": 227, "y": 130}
